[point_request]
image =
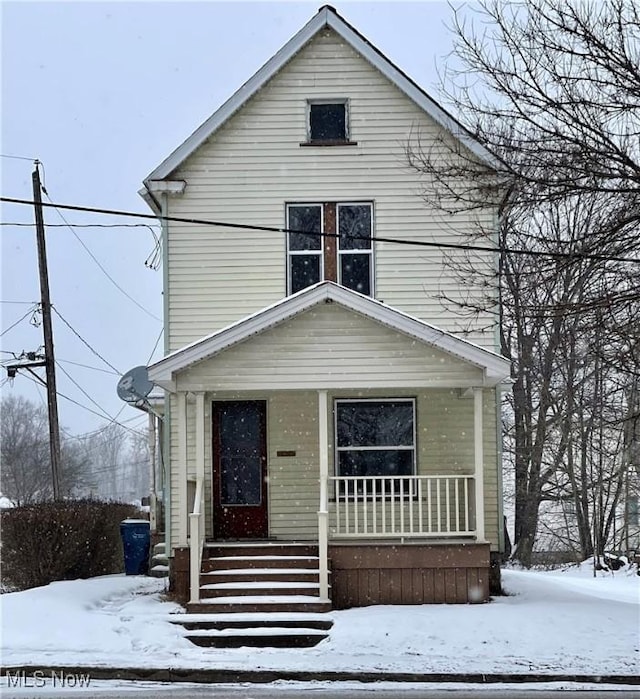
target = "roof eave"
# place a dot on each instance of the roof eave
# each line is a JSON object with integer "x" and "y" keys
{"x": 495, "y": 368}
{"x": 240, "y": 97}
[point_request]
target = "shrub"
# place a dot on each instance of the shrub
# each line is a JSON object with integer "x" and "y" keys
{"x": 62, "y": 541}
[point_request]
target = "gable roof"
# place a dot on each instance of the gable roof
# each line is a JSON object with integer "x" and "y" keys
{"x": 496, "y": 368}
{"x": 326, "y": 17}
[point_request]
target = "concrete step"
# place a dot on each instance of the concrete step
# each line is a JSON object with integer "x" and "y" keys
{"x": 159, "y": 566}
{"x": 259, "y": 604}
{"x": 158, "y": 570}
{"x": 275, "y": 638}
{"x": 241, "y": 620}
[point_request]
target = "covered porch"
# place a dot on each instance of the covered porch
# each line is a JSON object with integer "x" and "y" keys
{"x": 375, "y": 439}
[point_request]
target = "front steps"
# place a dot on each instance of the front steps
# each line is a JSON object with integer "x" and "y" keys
{"x": 260, "y": 595}
{"x": 159, "y": 567}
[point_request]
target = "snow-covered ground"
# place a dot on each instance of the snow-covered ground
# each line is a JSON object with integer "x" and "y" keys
{"x": 550, "y": 622}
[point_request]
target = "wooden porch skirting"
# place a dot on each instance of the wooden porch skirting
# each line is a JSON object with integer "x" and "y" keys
{"x": 412, "y": 573}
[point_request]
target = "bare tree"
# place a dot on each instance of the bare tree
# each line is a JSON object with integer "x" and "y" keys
{"x": 24, "y": 451}
{"x": 552, "y": 88}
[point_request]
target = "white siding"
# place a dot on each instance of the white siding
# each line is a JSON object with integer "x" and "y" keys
{"x": 254, "y": 165}
{"x": 328, "y": 347}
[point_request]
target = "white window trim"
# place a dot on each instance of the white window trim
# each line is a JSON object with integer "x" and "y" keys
{"x": 370, "y": 251}
{"x": 338, "y": 449}
{"x": 339, "y": 100}
{"x": 294, "y": 253}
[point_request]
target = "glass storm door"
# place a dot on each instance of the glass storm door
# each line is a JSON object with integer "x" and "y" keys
{"x": 239, "y": 470}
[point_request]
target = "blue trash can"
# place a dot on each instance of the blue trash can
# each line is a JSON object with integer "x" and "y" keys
{"x": 136, "y": 540}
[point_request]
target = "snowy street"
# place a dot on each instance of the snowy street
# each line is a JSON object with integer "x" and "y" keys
{"x": 122, "y": 690}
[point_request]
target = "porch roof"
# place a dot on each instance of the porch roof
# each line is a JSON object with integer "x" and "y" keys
{"x": 495, "y": 369}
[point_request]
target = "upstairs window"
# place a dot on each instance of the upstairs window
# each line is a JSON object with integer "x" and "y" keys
{"x": 328, "y": 123}
{"x": 344, "y": 255}
{"x": 355, "y": 247}
{"x": 304, "y": 248}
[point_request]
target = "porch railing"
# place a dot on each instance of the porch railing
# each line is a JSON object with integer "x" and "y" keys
{"x": 402, "y": 506}
{"x": 196, "y": 540}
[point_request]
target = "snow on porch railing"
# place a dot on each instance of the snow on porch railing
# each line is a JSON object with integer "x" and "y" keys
{"x": 196, "y": 541}
{"x": 402, "y": 506}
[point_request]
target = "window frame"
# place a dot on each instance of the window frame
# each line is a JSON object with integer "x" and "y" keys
{"x": 330, "y": 264}
{"x": 414, "y": 435}
{"x": 369, "y": 252}
{"x": 296, "y": 253}
{"x": 344, "y": 101}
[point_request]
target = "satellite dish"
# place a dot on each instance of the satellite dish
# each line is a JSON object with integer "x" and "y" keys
{"x": 135, "y": 385}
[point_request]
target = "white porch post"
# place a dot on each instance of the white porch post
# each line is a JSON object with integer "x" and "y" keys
{"x": 323, "y": 512}
{"x": 478, "y": 446}
{"x": 181, "y": 406}
{"x": 153, "y": 497}
{"x": 200, "y": 436}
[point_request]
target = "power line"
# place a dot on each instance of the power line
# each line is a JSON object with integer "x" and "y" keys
{"x": 84, "y": 407}
{"x": 77, "y": 334}
{"x": 86, "y": 366}
{"x": 100, "y": 266}
{"x": 91, "y": 433}
{"x": 18, "y": 157}
{"x": 375, "y": 239}
{"x": 23, "y": 303}
{"x": 83, "y": 225}
{"x": 24, "y": 317}
{"x": 84, "y": 393}
{"x": 154, "y": 347}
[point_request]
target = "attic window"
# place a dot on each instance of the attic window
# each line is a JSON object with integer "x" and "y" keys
{"x": 328, "y": 123}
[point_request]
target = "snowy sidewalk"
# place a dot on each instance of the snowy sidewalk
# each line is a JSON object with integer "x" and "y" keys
{"x": 551, "y": 624}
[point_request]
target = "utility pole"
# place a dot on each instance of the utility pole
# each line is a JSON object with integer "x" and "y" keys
{"x": 49, "y": 360}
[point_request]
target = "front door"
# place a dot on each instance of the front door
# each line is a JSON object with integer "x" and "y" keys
{"x": 239, "y": 470}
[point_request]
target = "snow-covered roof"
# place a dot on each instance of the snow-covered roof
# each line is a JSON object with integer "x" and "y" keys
{"x": 326, "y": 17}
{"x": 496, "y": 368}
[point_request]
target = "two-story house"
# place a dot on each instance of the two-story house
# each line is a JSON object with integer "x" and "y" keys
{"x": 322, "y": 404}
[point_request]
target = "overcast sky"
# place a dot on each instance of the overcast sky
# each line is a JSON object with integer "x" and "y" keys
{"x": 101, "y": 93}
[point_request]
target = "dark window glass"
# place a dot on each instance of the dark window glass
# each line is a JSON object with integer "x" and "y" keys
{"x": 308, "y": 219}
{"x": 354, "y": 227}
{"x": 375, "y": 424}
{"x": 369, "y": 436}
{"x": 386, "y": 462}
{"x": 355, "y": 273}
{"x": 328, "y": 122}
{"x": 305, "y": 271}
{"x": 240, "y": 455}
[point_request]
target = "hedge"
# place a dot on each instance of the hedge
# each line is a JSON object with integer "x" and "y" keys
{"x": 63, "y": 540}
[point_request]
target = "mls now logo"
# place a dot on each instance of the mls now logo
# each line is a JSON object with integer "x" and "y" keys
{"x": 42, "y": 678}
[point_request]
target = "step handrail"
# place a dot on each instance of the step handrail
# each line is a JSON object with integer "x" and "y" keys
{"x": 196, "y": 541}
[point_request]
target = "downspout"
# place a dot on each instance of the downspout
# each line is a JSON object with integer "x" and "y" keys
{"x": 166, "y": 431}
{"x": 499, "y": 457}
{"x": 500, "y": 387}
